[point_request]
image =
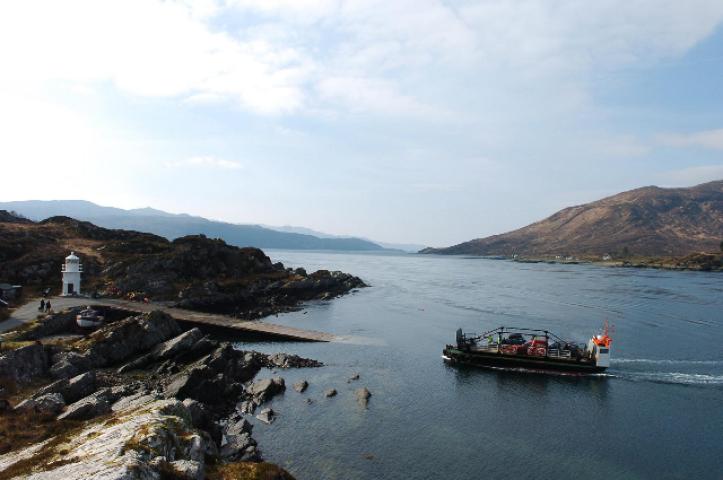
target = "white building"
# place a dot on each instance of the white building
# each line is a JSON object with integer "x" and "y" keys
{"x": 71, "y": 275}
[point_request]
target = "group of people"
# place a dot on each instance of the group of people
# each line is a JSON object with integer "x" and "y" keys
{"x": 44, "y": 306}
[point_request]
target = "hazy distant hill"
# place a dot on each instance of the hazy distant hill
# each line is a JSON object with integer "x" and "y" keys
{"x": 172, "y": 226}
{"x": 405, "y": 247}
{"x": 645, "y": 221}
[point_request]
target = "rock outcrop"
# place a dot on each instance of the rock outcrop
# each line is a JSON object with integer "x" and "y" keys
{"x": 149, "y": 442}
{"x": 24, "y": 364}
{"x": 139, "y": 398}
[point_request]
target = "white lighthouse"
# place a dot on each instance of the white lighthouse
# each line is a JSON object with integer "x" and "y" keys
{"x": 71, "y": 275}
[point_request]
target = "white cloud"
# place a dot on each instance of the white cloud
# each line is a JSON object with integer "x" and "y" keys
{"x": 298, "y": 49}
{"x": 712, "y": 139}
{"x": 146, "y": 48}
{"x": 206, "y": 161}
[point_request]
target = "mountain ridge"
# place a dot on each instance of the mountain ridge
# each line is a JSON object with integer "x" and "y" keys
{"x": 172, "y": 225}
{"x": 648, "y": 220}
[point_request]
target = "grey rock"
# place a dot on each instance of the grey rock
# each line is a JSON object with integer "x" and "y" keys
{"x": 133, "y": 401}
{"x": 246, "y": 407}
{"x": 237, "y": 447}
{"x": 93, "y": 405}
{"x": 72, "y": 389}
{"x": 267, "y": 415}
{"x": 301, "y": 386}
{"x": 363, "y": 395}
{"x": 166, "y": 350}
{"x": 69, "y": 364}
{"x": 239, "y": 427}
{"x": 24, "y": 364}
{"x": 263, "y": 390}
{"x": 331, "y": 392}
{"x": 50, "y": 404}
{"x": 188, "y": 469}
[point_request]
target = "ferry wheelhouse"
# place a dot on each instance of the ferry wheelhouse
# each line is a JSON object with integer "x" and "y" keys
{"x": 514, "y": 347}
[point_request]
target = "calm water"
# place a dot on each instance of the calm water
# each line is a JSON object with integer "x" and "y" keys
{"x": 658, "y": 414}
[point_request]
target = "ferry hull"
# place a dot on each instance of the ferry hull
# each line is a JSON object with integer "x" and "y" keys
{"x": 498, "y": 360}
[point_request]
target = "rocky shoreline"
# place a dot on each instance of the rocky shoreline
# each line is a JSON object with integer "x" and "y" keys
{"x": 139, "y": 398}
{"x": 701, "y": 262}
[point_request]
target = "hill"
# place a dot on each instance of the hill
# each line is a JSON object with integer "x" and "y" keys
{"x": 194, "y": 271}
{"x": 172, "y": 226}
{"x": 650, "y": 221}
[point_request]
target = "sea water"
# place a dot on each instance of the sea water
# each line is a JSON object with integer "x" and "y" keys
{"x": 656, "y": 413}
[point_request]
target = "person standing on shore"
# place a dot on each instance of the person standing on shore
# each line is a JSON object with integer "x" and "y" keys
{"x": 47, "y": 306}
{"x": 42, "y": 305}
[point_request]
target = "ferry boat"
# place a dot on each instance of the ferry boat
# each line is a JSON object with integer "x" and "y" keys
{"x": 89, "y": 318}
{"x": 513, "y": 347}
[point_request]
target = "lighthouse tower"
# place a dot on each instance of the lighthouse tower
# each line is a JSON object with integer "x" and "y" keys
{"x": 71, "y": 275}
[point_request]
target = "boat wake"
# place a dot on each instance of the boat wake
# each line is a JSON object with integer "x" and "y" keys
{"x": 651, "y": 361}
{"x": 675, "y": 378}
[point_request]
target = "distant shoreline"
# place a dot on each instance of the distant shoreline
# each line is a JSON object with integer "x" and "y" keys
{"x": 698, "y": 262}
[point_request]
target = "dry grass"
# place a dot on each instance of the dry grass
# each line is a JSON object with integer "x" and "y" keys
{"x": 248, "y": 471}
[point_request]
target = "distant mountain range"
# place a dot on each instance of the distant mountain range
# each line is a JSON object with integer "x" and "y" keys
{"x": 405, "y": 247}
{"x": 646, "y": 221}
{"x": 173, "y": 226}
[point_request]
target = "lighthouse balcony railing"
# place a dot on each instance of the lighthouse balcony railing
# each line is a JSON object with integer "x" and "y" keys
{"x": 79, "y": 269}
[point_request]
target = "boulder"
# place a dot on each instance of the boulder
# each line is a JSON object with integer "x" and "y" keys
{"x": 363, "y": 395}
{"x": 285, "y": 360}
{"x": 301, "y": 386}
{"x": 238, "y": 448}
{"x": 24, "y": 364}
{"x": 267, "y": 415}
{"x": 263, "y": 390}
{"x": 166, "y": 350}
{"x": 93, "y": 405}
{"x": 49, "y": 404}
{"x": 72, "y": 389}
{"x": 69, "y": 364}
{"x": 188, "y": 469}
{"x": 246, "y": 407}
{"x": 121, "y": 340}
{"x": 237, "y": 427}
{"x": 331, "y": 392}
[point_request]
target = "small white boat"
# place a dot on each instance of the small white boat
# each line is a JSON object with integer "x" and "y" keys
{"x": 89, "y": 318}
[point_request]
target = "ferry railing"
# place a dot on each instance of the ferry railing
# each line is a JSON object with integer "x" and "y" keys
{"x": 556, "y": 353}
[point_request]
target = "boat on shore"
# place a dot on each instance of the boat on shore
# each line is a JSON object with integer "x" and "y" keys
{"x": 89, "y": 318}
{"x": 515, "y": 347}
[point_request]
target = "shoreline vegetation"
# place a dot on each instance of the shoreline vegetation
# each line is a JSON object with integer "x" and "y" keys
{"x": 702, "y": 262}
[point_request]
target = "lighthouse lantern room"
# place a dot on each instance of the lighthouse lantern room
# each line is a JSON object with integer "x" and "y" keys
{"x": 71, "y": 275}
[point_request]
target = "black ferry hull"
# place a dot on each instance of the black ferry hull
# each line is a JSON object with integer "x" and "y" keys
{"x": 499, "y": 360}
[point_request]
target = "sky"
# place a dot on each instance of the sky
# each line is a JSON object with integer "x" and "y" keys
{"x": 424, "y": 121}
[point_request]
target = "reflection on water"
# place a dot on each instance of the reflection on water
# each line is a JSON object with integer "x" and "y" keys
{"x": 655, "y": 413}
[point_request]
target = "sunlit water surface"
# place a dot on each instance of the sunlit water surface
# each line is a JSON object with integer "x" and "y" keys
{"x": 657, "y": 413}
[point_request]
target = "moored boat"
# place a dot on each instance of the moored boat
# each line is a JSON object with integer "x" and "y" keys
{"x": 89, "y": 318}
{"x": 512, "y": 347}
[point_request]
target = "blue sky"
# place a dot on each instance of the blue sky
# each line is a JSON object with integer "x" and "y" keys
{"x": 410, "y": 121}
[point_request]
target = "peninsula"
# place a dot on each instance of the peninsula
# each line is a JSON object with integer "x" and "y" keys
{"x": 649, "y": 226}
{"x": 154, "y": 392}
